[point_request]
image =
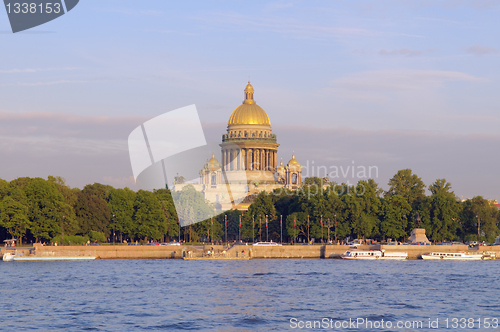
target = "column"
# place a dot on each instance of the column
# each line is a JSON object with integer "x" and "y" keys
{"x": 257, "y": 159}
{"x": 242, "y": 160}
{"x": 248, "y": 158}
{"x": 231, "y": 160}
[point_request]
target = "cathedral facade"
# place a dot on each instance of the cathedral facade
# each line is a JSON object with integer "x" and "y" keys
{"x": 249, "y": 159}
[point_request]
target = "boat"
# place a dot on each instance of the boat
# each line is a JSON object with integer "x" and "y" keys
{"x": 52, "y": 258}
{"x": 267, "y": 244}
{"x": 452, "y": 256}
{"x": 208, "y": 258}
{"x": 8, "y": 257}
{"x": 374, "y": 255}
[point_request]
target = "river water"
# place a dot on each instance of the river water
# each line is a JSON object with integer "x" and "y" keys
{"x": 255, "y": 295}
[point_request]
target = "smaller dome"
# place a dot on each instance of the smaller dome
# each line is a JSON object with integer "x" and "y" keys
{"x": 293, "y": 162}
{"x": 281, "y": 168}
{"x": 249, "y": 87}
{"x": 213, "y": 164}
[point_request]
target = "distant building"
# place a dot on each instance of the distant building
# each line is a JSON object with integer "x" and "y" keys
{"x": 249, "y": 162}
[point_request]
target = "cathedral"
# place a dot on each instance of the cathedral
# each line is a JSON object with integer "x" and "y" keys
{"x": 249, "y": 160}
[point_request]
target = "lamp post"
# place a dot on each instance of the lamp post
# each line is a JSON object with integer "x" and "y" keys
{"x": 307, "y": 228}
{"x": 267, "y": 231}
{"x": 114, "y": 220}
{"x": 253, "y": 228}
{"x": 62, "y": 230}
{"x": 225, "y": 220}
{"x": 321, "y": 221}
{"x": 281, "y": 229}
{"x": 335, "y": 227}
{"x": 478, "y": 228}
{"x": 239, "y": 231}
{"x": 260, "y": 228}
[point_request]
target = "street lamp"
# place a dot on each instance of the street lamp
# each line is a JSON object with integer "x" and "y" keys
{"x": 281, "y": 229}
{"x": 267, "y": 231}
{"x": 62, "y": 230}
{"x": 114, "y": 220}
{"x": 478, "y": 229}
{"x": 335, "y": 227}
{"x": 308, "y": 229}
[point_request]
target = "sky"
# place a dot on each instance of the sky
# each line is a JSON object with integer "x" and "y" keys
{"x": 387, "y": 84}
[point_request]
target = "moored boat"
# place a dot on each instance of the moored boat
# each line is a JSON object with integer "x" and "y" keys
{"x": 52, "y": 258}
{"x": 374, "y": 255}
{"x": 452, "y": 256}
{"x": 8, "y": 257}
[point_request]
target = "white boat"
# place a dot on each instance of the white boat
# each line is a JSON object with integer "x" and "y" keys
{"x": 267, "y": 244}
{"x": 52, "y": 258}
{"x": 374, "y": 255}
{"x": 8, "y": 257}
{"x": 452, "y": 256}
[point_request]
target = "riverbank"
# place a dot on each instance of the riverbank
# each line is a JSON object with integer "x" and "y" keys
{"x": 284, "y": 251}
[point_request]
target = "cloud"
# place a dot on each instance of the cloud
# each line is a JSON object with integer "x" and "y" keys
{"x": 34, "y": 70}
{"x": 284, "y": 26}
{"x": 403, "y": 51}
{"x": 151, "y": 12}
{"x": 394, "y": 80}
{"x": 43, "y": 83}
{"x": 481, "y": 50}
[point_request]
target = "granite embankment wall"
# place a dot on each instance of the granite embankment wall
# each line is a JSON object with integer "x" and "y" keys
{"x": 285, "y": 251}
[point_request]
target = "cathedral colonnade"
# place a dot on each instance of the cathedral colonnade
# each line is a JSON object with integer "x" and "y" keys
{"x": 252, "y": 159}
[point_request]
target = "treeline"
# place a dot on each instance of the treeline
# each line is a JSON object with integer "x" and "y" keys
{"x": 38, "y": 210}
{"x": 34, "y": 209}
{"x": 367, "y": 211}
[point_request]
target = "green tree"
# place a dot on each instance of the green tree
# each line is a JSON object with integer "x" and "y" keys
{"x": 407, "y": 185}
{"x": 441, "y": 212}
{"x": 479, "y": 213}
{"x": 148, "y": 216}
{"x": 46, "y": 207}
{"x": 121, "y": 205}
{"x": 395, "y": 212}
{"x": 14, "y": 217}
{"x": 168, "y": 207}
{"x": 92, "y": 210}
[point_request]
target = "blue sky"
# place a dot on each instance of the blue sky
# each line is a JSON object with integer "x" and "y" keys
{"x": 397, "y": 84}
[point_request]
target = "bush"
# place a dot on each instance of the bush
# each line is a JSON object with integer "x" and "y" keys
{"x": 74, "y": 239}
{"x": 97, "y": 236}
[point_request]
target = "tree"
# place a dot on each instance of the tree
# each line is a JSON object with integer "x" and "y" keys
{"x": 407, "y": 185}
{"x": 148, "y": 216}
{"x": 441, "y": 212}
{"x": 92, "y": 210}
{"x": 46, "y": 207}
{"x": 121, "y": 204}
{"x": 480, "y": 214}
{"x": 13, "y": 217}
{"x": 164, "y": 196}
{"x": 192, "y": 207}
{"x": 262, "y": 206}
{"x": 395, "y": 211}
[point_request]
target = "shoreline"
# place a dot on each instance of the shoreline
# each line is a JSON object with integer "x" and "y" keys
{"x": 258, "y": 252}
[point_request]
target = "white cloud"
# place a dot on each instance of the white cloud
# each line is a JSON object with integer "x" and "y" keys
{"x": 291, "y": 27}
{"x": 396, "y": 80}
{"x": 481, "y": 50}
{"x": 34, "y": 70}
{"x": 44, "y": 83}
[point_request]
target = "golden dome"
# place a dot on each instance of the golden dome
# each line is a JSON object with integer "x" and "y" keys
{"x": 249, "y": 112}
{"x": 213, "y": 164}
{"x": 280, "y": 168}
{"x": 293, "y": 161}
